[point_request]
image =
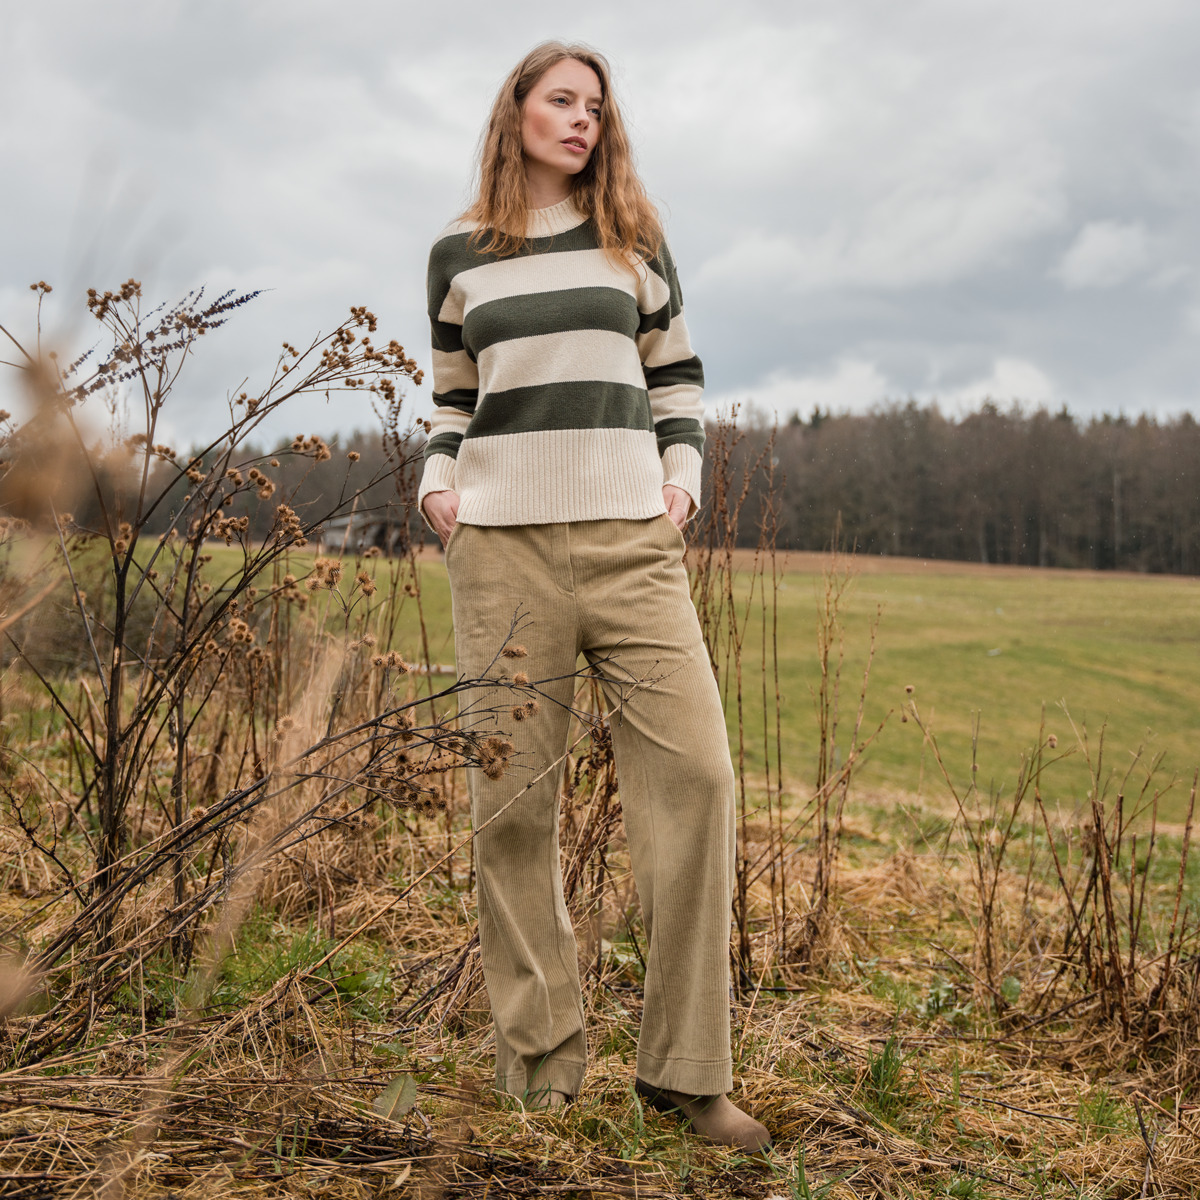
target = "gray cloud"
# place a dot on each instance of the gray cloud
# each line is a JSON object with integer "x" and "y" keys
{"x": 1105, "y": 254}
{"x": 867, "y": 200}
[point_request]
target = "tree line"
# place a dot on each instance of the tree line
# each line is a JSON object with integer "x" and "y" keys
{"x": 1033, "y": 488}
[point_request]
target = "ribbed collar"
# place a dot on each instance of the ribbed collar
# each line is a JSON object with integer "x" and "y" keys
{"x": 558, "y": 218}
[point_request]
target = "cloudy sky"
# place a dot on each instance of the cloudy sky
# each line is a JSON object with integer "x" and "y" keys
{"x": 868, "y": 200}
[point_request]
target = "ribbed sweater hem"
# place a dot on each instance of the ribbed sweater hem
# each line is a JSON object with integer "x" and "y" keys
{"x": 558, "y": 475}
{"x": 628, "y": 488}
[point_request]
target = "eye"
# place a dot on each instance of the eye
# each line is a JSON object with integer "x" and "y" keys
{"x": 595, "y": 113}
{"x": 558, "y": 100}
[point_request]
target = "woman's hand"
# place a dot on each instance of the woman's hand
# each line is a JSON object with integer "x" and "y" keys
{"x": 442, "y": 510}
{"x": 678, "y": 504}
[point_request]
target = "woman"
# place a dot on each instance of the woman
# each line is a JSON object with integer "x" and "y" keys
{"x": 563, "y": 461}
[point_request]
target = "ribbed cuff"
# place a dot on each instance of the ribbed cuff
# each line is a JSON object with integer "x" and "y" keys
{"x": 681, "y": 465}
{"x": 437, "y": 477}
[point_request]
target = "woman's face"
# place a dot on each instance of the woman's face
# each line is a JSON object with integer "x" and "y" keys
{"x": 560, "y": 120}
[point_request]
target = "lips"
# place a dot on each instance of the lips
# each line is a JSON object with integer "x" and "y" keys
{"x": 575, "y": 143}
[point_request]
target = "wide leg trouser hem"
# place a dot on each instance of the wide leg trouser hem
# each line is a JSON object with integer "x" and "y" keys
{"x": 711, "y": 1078}
{"x": 553, "y": 1075}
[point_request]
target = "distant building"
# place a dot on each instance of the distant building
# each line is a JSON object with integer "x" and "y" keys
{"x": 359, "y": 532}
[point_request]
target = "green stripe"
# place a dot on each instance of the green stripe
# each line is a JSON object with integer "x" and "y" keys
{"x": 445, "y": 336}
{"x": 443, "y": 443}
{"x": 453, "y": 254}
{"x": 687, "y": 370}
{"x": 695, "y": 439}
{"x": 566, "y": 311}
{"x": 437, "y": 285}
{"x": 660, "y": 318}
{"x": 576, "y": 405}
{"x": 679, "y": 429}
{"x": 663, "y": 265}
{"x": 464, "y": 399}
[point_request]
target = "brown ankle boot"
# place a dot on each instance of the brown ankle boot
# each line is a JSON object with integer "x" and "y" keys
{"x": 716, "y": 1118}
{"x": 546, "y": 1100}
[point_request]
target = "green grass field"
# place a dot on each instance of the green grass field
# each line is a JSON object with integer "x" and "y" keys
{"x": 1117, "y": 653}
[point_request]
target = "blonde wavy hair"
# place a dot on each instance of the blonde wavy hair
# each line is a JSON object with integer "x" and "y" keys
{"x": 607, "y": 190}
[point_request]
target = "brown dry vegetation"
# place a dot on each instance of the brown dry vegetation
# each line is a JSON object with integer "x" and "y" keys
{"x": 237, "y": 886}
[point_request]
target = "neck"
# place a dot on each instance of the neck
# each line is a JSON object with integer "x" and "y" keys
{"x": 545, "y": 186}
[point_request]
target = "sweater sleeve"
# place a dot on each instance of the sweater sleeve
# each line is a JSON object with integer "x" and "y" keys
{"x": 674, "y": 376}
{"x": 455, "y": 375}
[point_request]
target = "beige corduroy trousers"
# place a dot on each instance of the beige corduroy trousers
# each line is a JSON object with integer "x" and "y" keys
{"x": 615, "y": 591}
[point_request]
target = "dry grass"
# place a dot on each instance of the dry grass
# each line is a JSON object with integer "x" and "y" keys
{"x": 274, "y": 1095}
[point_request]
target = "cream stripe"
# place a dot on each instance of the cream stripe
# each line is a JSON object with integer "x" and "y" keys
{"x": 681, "y": 466}
{"x": 584, "y": 354}
{"x": 449, "y": 420}
{"x": 661, "y": 346}
{"x": 453, "y": 370}
{"x": 678, "y": 400}
{"x": 549, "y": 273}
{"x": 557, "y": 475}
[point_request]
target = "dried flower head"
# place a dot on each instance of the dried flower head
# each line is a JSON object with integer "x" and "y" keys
{"x": 240, "y": 632}
{"x": 493, "y": 756}
{"x": 288, "y": 527}
{"x": 514, "y": 652}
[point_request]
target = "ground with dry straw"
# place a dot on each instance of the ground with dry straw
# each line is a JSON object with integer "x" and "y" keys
{"x": 878, "y": 1074}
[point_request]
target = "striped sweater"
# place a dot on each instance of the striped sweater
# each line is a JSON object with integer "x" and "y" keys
{"x": 565, "y": 387}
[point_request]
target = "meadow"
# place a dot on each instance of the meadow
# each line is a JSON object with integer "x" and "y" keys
{"x": 895, "y": 1034}
{"x": 1108, "y": 658}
